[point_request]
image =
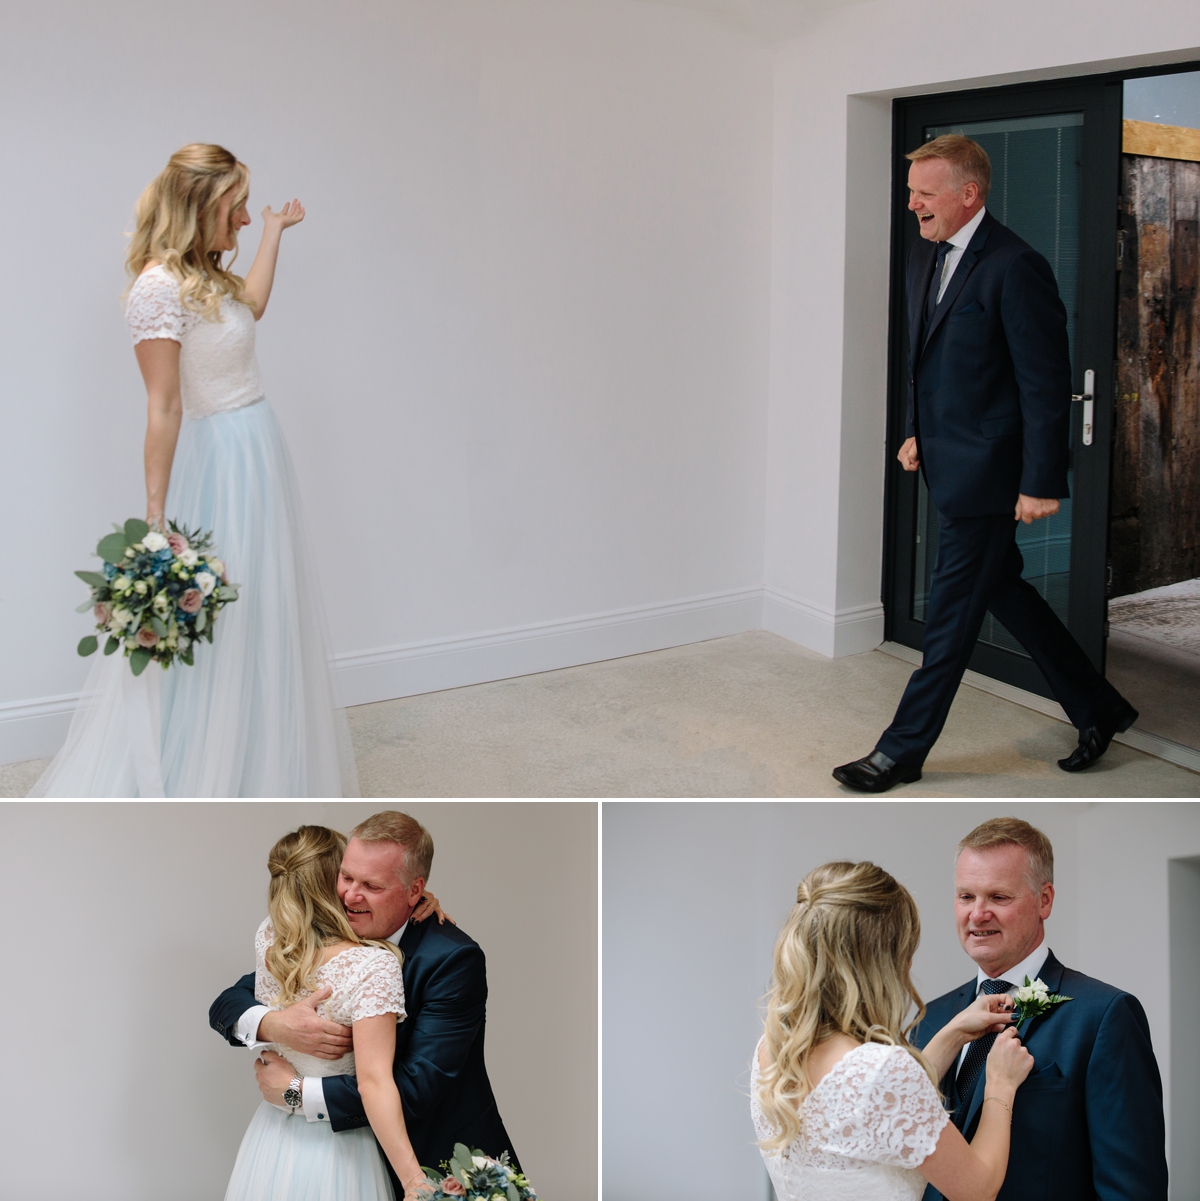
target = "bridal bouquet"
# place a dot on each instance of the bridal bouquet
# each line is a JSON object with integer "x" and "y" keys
{"x": 157, "y": 595}
{"x": 473, "y": 1176}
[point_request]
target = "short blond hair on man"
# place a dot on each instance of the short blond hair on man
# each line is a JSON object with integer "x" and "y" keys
{"x": 394, "y": 826}
{"x": 967, "y": 159}
{"x": 1012, "y": 831}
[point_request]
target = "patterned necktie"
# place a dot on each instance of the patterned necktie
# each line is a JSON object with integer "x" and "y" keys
{"x": 977, "y": 1052}
{"x": 935, "y": 284}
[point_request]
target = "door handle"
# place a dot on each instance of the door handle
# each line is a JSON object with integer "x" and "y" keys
{"x": 1089, "y": 402}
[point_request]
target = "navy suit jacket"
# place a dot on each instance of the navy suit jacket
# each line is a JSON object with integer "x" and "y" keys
{"x": 990, "y": 380}
{"x": 444, "y": 1086}
{"x": 1087, "y": 1124}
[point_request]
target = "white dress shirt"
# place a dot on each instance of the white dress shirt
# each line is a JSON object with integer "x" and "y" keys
{"x": 958, "y": 243}
{"x": 1029, "y": 966}
{"x": 313, "y": 1091}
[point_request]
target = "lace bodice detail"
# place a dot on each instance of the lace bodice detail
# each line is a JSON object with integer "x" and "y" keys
{"x": 217, "y": 367}
{"x": 864, "y": 1130}
{"x": 366, "y": 983}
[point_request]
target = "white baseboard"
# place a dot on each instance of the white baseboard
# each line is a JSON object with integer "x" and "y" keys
{"x": 844, "y": 632}
{"x": 36, "y": 729}
{"x": 1152, "y": 744}
{"x": 525, "y": 650}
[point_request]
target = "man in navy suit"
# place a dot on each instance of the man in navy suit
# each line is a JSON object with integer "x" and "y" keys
{"x": 1087, "y": 1124}
{"x": 439, "y": 1068}
{"x": 988, "y": 423}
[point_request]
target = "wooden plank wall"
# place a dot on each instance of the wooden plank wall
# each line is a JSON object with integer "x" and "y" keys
{"x": 1155, "y": 532}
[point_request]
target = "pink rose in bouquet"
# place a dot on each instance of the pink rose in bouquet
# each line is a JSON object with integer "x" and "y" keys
{"x": 146, "y": 637}
{"x": 453, "y": 1187}
{"x": 177, "y": 542}
{"x": 103, "y": 614}
{"x": 192, "y": 600}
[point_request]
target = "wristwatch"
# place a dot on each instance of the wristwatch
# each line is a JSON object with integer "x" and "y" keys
{"x": 293, "y": 1095}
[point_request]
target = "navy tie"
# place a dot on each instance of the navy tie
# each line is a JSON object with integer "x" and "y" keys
{"x": 935, "y": 284}
{"x": 977, "y": 1052}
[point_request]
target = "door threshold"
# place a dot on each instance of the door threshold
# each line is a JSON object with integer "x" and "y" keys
{"x": 1151, "y": 744}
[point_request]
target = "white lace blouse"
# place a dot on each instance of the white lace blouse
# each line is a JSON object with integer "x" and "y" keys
{"x": 864, "y": 1130}
{"x": 218, "y": 370}
{"x": 366, "y": 983}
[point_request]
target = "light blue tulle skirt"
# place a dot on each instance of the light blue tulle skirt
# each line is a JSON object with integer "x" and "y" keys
{"x": 255, "y": 715}
{"x": 285, "y": 1157}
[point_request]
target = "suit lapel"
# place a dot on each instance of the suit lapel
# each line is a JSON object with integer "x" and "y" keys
{"x": 1051, "y": 975}
{"x": 918, "y": 289}
{"x": 965, "y": 996}
{"x": 964, "y": 268}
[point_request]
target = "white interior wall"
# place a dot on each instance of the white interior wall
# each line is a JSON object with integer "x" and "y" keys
{"x": 694, "y": 895}
{"x": 135, "y": 917}
{"x": 519, "y": 346}
{"x": 830, "y": 246}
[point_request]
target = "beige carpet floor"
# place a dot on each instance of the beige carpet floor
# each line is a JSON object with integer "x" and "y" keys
{"x": 751, "y": 715}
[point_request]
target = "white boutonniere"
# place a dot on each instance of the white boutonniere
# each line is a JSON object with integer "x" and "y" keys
{"x": 1033, "y": 999}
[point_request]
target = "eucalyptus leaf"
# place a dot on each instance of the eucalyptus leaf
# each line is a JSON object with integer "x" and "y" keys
{"x": 202, "y": 621}
{"x": 139, "y": 659}
{"x": 87, "y": 646}
{"x": 227, "y": 592}
{"x": 463, "y": 1154}
{"x": 86, "y": 607}
{"x": 94, "y": 578}
{"x": 158, "y": 625}
{"x": 513, "y": 1195}
{"x": 112, "y": 548}
{"x": 112, "y": 644}
{"x": 135, "y": 530}
{"x": 186, "y": 656}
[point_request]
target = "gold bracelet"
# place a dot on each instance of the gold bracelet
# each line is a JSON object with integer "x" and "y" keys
{"x": 999, "y": 1102}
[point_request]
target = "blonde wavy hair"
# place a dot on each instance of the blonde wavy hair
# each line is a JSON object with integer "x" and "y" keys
{"x": 841, "y": 966}
{"x": 175, "y": 224}
{"x": 305, "y": 910}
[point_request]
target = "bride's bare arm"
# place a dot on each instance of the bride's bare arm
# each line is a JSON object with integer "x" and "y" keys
{"x": 159, "y": 360}
{"x": 374, "y": 1053}
{"x": 974, "y": 1171}
{"x": 261, "y": 276}
{"x": 984, "y": 1014}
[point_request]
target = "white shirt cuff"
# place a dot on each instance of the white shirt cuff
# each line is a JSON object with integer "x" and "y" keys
{"x": 314, "y": 1100}
{"x": 247, "y": 1026}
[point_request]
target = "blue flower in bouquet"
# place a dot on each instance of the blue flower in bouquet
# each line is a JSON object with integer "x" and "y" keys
{"x": 157, "y": 593}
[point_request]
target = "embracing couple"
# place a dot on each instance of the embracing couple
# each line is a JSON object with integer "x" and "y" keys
{"x": 368, "y": 1021}
{"x": 1026, "y": 1093}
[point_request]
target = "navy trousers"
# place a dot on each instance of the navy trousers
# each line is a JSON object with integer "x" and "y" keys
{"x": 979, "y": 568}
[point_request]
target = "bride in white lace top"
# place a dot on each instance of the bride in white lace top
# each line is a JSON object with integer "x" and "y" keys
{"x": 844, "y": 1108}
{"x": 307, "y": 949}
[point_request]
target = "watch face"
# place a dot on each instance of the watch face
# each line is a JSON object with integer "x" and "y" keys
{"x": 292, "y": 1098}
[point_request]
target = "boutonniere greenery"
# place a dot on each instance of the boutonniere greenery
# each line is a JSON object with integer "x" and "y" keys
{"x": 1033, "y": 999}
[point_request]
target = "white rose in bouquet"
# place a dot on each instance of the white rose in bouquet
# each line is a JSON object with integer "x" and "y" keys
{"x": 154, "y": 541}
{"x": 206, "y": 582}
{"x": 188, "y": 557}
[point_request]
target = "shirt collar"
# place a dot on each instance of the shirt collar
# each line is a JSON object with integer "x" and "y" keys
{"x": 395, "y": 938}
{"x": 1030, "y": 966}
{"x": 964, "y": 235}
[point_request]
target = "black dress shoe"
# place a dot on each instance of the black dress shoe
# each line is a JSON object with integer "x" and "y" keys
{"x": 1093, "y": 741}
{"x": 875, "y": 773}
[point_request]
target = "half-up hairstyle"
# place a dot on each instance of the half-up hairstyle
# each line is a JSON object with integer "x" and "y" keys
{"x": 841, "y": 966}
{"x": 305, "y": 910}
{"x": 176, "y": 225}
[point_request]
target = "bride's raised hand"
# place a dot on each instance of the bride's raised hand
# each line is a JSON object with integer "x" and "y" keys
{"x": 985, "y": 1015}
{"x": 429, "y": 904}
{"x": 1008, "y": 1062}
{"x": 291, "y": 214}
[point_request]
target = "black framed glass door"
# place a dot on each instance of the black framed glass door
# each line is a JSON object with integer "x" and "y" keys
{"x": 1055, "y": 151}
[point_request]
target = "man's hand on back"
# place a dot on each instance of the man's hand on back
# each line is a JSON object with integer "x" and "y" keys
{"x": 302, "y": 1028}
{"x": 273, "y": 1074}
{"x": 1031, "y": 508}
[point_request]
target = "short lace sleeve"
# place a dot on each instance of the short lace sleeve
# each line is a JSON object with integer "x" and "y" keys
{"x": 154, "y": 309}
{"x": 890, "y": 1112}
{"x": 378, "y": 988}
{"x": 266, "y": 987}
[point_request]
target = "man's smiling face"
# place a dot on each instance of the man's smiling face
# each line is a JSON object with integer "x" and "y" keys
{"x": 375, "y": 898}
{"x": 942, "y": 206}
{"x": 998, "y": 915}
